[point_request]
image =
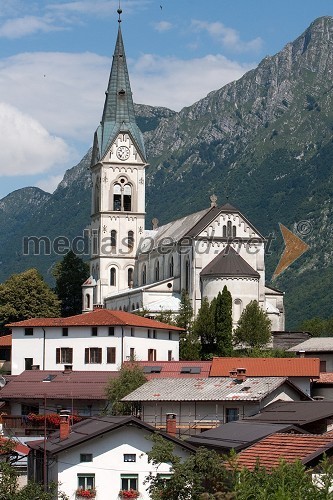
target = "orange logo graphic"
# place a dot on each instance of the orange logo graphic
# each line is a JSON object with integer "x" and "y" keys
{"x": 294, "y": 248}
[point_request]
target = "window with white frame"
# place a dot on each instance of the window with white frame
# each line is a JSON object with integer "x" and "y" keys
{"x": 93, "y": 355}
{"x": 129, "y": 481}
{"x": 64, "y": 355}
{"x": 86, "y": 481}
{"x": 129, "y": 457}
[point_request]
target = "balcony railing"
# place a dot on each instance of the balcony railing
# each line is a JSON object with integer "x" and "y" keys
{"x": 25, "y": 425}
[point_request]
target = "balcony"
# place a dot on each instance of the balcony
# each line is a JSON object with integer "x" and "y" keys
{"x": 32, "y": 424}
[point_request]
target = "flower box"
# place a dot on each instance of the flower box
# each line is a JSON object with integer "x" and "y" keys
{"x": 123, "y": 494}
{"x": 80, "y": 493}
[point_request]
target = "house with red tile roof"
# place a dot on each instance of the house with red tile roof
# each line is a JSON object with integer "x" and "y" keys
{"x": 99, "y": 340}
{"x": 5, "y": 353}
{"x": 301, "y": 371}
{"x": 50, "y": 391}
{"x": 308, "y": 448}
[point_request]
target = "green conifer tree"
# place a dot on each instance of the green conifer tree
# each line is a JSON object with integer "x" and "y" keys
{"x": 223, "y": 323}
{"x": 254, "y": 327}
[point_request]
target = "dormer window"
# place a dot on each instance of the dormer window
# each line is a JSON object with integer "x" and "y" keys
{"x": 121, "y": 92}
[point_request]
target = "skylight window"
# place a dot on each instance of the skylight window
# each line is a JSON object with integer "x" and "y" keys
{"x": 49, "y": 378}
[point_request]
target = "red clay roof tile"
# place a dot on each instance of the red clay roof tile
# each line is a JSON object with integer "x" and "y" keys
{"x": 267, "y": 367}
{"x": 5, "y": 341}
{"x": 98, "y": 317}
{"x": 289, "y": 447}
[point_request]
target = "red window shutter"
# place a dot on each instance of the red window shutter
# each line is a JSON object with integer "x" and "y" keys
{"x": 86, "y": 355}
{"x": 58, "y": 355}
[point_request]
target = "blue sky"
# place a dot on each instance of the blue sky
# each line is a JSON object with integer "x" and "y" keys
{"x": 55, "y": 59}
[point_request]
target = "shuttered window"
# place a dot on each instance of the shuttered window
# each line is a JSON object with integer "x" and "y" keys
{"x": 111, "y": 355}
{"x": 64, "y": 355}
{"x": 93, "y": 355}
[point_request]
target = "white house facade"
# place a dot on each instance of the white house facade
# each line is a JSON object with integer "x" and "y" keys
{"x": 106, "y": 455}
{"x": 133, "y": 268}
{"x": 100, "y": 340}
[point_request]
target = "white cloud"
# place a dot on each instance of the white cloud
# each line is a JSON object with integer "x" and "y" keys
{"x": 228, "y": 37}
{"x": 23, "y": 26}
{"x": 162, "y": 26}
{"x": 49, "y": 184}
{"x": 25, "y": 146}
{"x": 64, "y": 92}
{"x": 175, "y": 83}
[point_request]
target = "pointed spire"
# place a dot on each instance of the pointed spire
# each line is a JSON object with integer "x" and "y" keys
{"x": 118, "y": 113}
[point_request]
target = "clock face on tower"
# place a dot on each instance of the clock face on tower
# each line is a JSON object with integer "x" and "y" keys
{"x": 123, "y": 153}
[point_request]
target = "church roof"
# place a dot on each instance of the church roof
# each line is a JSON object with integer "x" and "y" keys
{"x": 229, "y": 263}
{"x": 191, "y": 225}
{"x": 118, "y": 113}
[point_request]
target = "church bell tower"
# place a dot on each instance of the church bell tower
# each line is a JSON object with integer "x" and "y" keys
{"x": 118, "y": 188}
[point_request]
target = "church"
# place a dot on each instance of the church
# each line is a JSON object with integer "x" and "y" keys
{"x": 133, "y": 268}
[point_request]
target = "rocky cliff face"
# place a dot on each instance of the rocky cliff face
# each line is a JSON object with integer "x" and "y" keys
{"x": 264, "y": 141}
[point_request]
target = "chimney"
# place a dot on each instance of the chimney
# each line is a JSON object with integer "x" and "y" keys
{"x": 64, "y": 424}
{"x": 233, "y": 373}
{"x": 171, "y": 424}
{"x": 97, "y": 306}
{"x": 241, "y": 375}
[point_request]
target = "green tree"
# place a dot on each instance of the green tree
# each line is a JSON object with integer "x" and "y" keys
{"x": 189, "y": 344}
{"x": 223, "y": 322}
{"x": 9, "y": 479}
{"x": 185, "y": 314}
{"x": 70, "y": 274}
{"x": 254, "y": 327}
{"x": 131, "y": 376}
{"x": 26, "y": 295}
{"x": 204, "y": 329}
{"x": 166, "y": 317}
{"x": 318, "y": 327}
{"x": 201, "y": 475}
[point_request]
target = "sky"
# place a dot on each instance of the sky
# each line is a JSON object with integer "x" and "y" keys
{"x": 55, "y": 60}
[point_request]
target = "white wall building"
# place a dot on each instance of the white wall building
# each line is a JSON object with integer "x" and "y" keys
{"x": 107, "y": 454}
{"x": 99, "y": 340}
{"x": 132, "y": 267}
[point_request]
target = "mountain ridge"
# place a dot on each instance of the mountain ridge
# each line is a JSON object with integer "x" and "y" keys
{"x": 265, "y": 142}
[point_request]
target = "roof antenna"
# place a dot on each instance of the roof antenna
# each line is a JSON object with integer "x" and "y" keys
{"x": 119, "y": 13}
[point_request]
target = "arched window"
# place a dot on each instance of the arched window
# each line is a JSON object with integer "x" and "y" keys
{"x": 229, "y": 234}
{"x": 130, "y": 277}
{"x": 144, "y": 274}
{"x": 234, "y": 231}
{"x": 94, "y": 236}
{"x": 87, "y": 301}
{"x": 224, "y": 231}
{"x": 157, "y": 270}
{"x": 113, "y": 276}
{"x": 117, "y": 197}
{"x": 120, "y": 308}
{"x": 133, "y": 307}
{"x": 113, "y": 239}
{"x": 171, "y": 267}
{"x": 130, "y": 239}
{"x": 127, "y": 198}
{"x": 96, "y": 197}
{"x": 187, "y": 276}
